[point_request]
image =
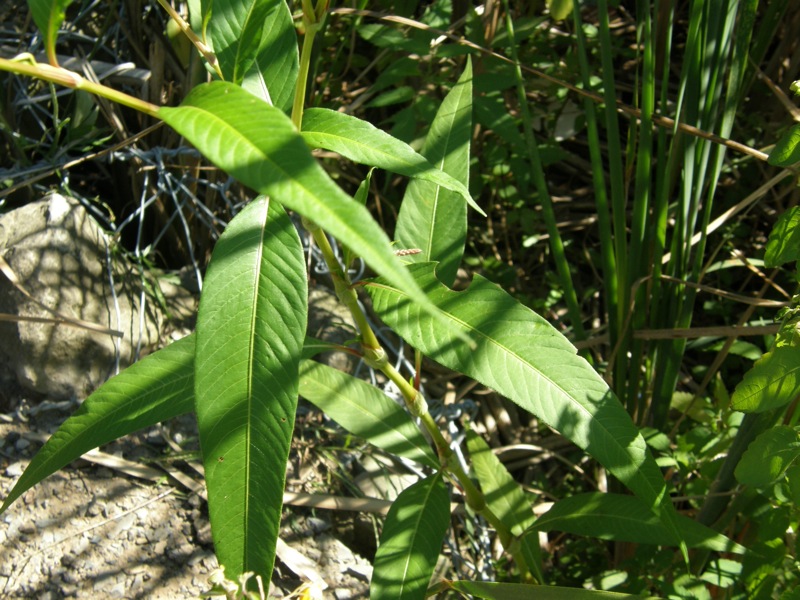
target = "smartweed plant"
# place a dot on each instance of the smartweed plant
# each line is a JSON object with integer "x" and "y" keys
{"x": 243, "y": 369}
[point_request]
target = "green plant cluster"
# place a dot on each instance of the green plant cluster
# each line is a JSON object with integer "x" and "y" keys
{"x": 705, "y": 483}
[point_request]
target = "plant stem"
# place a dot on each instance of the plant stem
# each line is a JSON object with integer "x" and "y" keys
{"x": 302, "y": 76}
{"x": 61, "y": 76}
{"x": 201, "y": 46}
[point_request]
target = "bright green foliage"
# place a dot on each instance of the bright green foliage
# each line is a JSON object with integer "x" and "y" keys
{"x": 516, "y": 591}
{"x": 787, "y": 151}
{"x": 250, "y": 329}
{"x": 365, "y": 411}
{"x": 431, "y": 218}
{"x": 411, "y": 541}
{"x": 783, "y": 244}
{"x": 524, "y": 358}
{"x": 256, "y": 45}
{"x": 769, "y": 456}
{"x": 626, "y": 519}
{"x": 773, "y": 381}
{"x": 49, "y": 15}
{"x": 366, "y": 144}
{"x": 155, "y": 389}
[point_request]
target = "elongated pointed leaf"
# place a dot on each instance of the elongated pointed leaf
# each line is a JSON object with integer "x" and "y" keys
{"x": 257, "y": 144}
{"x": 250, "y": 329}
{"x": 256, "y": 45}
{"x": 48, "y": 16}
{"x": 769, "y": 456}
{"x": 155, "y": 389}
{"x": 773, "y": 381}
{"x": 364, "y": 410}
{"x": 518, "y": 591}
{"x": 364, "y": 143}
{"x": 524, "y": 358}
{"x": 505, "y": 497}
{"x": 626, "y": 519}
{"x": 411, "y": 540}
{"x": 432, "y": 218}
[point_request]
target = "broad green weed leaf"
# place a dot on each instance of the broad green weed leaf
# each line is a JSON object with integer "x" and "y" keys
{"x": 518, "y": 591}
{"x": 524, "y": 358}
{"x": 155, "y": 389}
{"x": 625, "y": 519}
{"x": 559, "y": 9}
{"x": 787, "y": 151}
{"x": 257, "y": 144}
{"x": 769, "y": 456}
{"x": 783, "y": 244}
{"x": 364, "y": 143}
{"x": 250, "y": 328}
{"x": 432, "y": 218}
{"x": 364, "y": 411}
{"x": 256, "y": 45}
{"x": 411, "y": 541}
{"x": 773, "y": 381}
{"x": 48, "y": 16}
{"x": 504, "y": 496}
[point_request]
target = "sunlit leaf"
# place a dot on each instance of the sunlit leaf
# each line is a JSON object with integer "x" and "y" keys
{"x": 773, "y": 381}
{"x": 411, "y": 541}
{"x": 365, "y": 411}
{"x": 432, "y": 218}
{"x": 783, "y": 244}
{"x": 787, "y": 151}
{"x": 48, "y": 16}
{"x": 524, "y": 358}
{"x": 155, "y": 389}
{"x": 250, "y": 328}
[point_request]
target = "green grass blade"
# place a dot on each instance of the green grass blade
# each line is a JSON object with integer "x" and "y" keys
{"x": 431, "y": 218}
{"x": 155, "y": 389}
{"x": 520, "y": 355}
{"x": 362, "y": 409}
{"x": 256, "y": 45}
{"x": 364, "y": 143}
{"x": 411, "y": 541}
{"x": 250, "y": 329}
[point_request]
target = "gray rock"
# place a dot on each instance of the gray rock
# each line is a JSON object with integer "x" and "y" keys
{"x": 60, "y": 256}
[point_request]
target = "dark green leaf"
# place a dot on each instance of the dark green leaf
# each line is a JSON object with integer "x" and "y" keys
{"x": 783, "y": 244}
{"x": 787, "y": 151}
{"x": 518, "y": 591}
{"x": 250, "y": 329}
{"x": 411, "y": 541}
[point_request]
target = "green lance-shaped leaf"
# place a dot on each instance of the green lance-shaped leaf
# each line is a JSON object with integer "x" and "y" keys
{"x": 773, "y": 381}
{"x": 257, "y": 144}
{"x": 250, "y": 328}
{"x": 155, "y": 389}
{"x": 431, "y": 217}
{"x": 769, "y": 456}
{"x": 364, "y": 143}
{"x": 524, "y": 358}
{"x": 504, "y": 496}
{"x": 256, "y": 45}
{"x": 783, "y": 244}
{"x": 411, "y": 540}
{"x": 625, "y": 519}
{"x": 787, "y": 151}
{"x": 365, "y": 411}
{"x": 48, "y": 16}
{"x": 518, "y": 591}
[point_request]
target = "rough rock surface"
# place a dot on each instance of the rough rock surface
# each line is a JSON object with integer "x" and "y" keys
{"x": 63, "y": 259}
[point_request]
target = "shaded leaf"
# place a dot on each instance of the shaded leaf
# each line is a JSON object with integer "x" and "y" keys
{"x": 256, "y": 45}
{"x": 524, "y": 358}
{"x": 626, "y": 519}
{"x": 250, "y": 328}
{"x": 364, "y": 143}
{"x": 432, "y": 218}
{"x": 365, "y": 411}
{"x": 769, "y": 456}
{"x": 783, "y": 244}
{"x": 411, "y": 540}
{"x": 155, "y": 389}
{"x": 518, "y": 591}
{"x": 773, "y": 381}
